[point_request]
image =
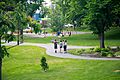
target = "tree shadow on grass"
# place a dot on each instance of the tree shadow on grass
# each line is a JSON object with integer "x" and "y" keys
{"x": 12, "y": 46}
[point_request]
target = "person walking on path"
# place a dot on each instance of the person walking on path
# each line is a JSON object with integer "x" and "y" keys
{"x": 55, "y": 45}
{"x": 61, "y": 45}
{"x": 65, "y": 46}
{"x": 70, "y": 33}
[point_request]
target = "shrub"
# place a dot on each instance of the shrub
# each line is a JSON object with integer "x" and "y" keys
{"x": 89, "y": 51}
{"x": 73, "y": 51}
{"x": 103, "y": 53}
{"x": 76, "y": 51}
{"x": 92, "y": 49}
{"x": 44, "y": 65}
{"x": 110, "y": 54}
{"x": 107, "y": 54}
{"x": 81, "y": 51}
{"x": 109, "y": 47}
{"x": 105, "y": 49}
{"x": 118, "y": 48}
{"x": 117, "y": 53}
{"x": 101, "y": 49}
{"x": 97, "y": 49}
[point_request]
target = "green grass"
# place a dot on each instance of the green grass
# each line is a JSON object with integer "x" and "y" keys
{"x": 113, "y": 34}
{"x": 38, "y": 40}
{"x": 49, "y": 30}
{"x": 2, "y": 42}
{"x": 82, "y": 29}
{"x": 112, "y": 38}
{"x": 24, "y": 64}
{"x": 80, "y": 40}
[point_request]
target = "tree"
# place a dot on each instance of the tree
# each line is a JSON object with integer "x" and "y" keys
{"x": 6, "y": 25}
{"x": 20, "y": 20}
{"x": 32, "y": 7}
{"x": 36, "y": 26}
{"x": 43, "y": 64}
{"x": 44, "y": 11}
{"x": 99, "y": 15}
{"x": 75, "y": 12}
{"x": 116, "y": 11}
{"x": 57, "y": 19}
{"x": 24, "y": 23}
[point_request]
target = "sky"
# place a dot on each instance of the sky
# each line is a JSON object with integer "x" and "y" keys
{"x": 48, "y": 2}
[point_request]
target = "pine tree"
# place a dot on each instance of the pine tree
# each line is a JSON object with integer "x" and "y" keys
{"x": 44, "y": 64}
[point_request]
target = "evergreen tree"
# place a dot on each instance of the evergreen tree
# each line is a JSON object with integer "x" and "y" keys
{"x": 44, "y": 64}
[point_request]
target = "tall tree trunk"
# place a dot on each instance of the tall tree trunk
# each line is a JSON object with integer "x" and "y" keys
{"x": 0, "y": 68}
{"x": 74, "y": 27}
{"x": 0, "y": 60}
{"x": 18, "y": 34}
{"x": 74, "y": 24}
{"x": 21, "y": 35}
{"x": 101, "y": 37}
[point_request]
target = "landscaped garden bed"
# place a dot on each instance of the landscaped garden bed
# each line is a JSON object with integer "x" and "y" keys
{"x": 97, "y": 52}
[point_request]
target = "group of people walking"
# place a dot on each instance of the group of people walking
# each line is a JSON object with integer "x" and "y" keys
{"x": 62, "y": 34}
{"x": 62, "y": 45}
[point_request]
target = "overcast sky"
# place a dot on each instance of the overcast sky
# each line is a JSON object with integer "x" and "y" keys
{"x": 48, "y": 1}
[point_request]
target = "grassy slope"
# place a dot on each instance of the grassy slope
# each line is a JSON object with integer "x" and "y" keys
{"x": 38, "y": 40}
{"x": 2, "y": 42}
{"x": 112, "y": 38}
{"x": 24, "y": 64}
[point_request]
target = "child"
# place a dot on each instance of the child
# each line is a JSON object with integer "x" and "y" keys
{"x": 70, "y": 33}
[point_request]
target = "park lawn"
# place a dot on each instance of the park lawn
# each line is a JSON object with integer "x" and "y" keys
{"x": 82, "y": 29}
{"x": 112, "y": 38}
{"x": 80, "y": 40}
{"x": 38, "y": 40}
{"x": 91, "y": 40}
{"x": 49, "y": 30}
{"x": 24, "y": 64}
{"x": 2, "y": 42}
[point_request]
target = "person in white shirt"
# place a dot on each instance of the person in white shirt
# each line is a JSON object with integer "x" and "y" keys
{"x": 61, "y": 45}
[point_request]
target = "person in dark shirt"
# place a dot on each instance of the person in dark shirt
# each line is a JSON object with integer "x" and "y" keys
{"x": 55, "y": 45}
{"x": 65, "y": 46}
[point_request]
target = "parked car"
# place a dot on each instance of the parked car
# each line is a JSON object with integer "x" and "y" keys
{"x": 28, "y": 30}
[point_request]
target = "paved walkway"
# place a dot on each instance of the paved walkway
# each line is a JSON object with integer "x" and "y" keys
{"x": 50, "y": 34}
{"x": 50, "y": 51}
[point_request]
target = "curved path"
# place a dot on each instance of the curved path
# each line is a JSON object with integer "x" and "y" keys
{"x": 33, "y": 35}
{"x": 50, "y": 51}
